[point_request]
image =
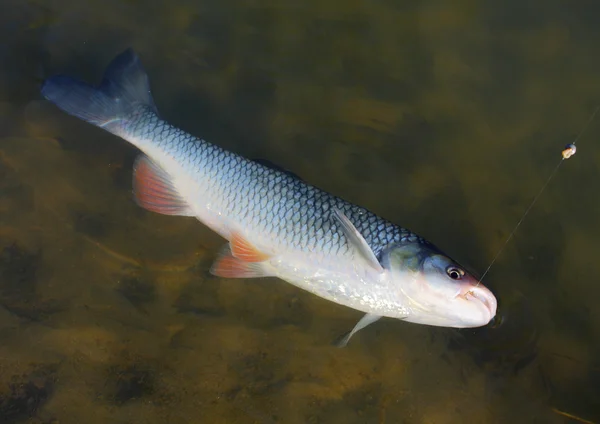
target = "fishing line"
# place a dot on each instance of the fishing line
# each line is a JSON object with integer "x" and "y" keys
{"x": 566, "y": 154}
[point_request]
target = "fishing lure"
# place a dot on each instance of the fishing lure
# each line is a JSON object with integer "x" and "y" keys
{"x": 569, "y": 151}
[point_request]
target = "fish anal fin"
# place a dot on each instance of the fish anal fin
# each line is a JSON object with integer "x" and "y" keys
{"x": 244, "y": 250}
{"x": 154, "y": 191}
{"x": 228, "y": 266}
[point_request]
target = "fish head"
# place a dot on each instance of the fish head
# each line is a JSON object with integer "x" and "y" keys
{"x": 435, "y": 289}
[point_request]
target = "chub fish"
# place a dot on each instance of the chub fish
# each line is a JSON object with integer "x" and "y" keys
{"x": 275, "y": 224}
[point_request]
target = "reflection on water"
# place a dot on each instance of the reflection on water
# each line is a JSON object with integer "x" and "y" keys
{"x": 444, "y": 117}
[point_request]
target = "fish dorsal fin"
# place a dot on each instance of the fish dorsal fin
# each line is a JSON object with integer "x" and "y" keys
{"x": 153, "y": 189}
{"x": 357, "y": 240}
{"x": 267, "y": 163}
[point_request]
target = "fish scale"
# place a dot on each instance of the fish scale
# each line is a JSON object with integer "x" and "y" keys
{"x": 286, "y": 213}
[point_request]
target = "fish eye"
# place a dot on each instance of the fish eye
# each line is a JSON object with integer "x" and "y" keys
{"x": 454, "y": 272}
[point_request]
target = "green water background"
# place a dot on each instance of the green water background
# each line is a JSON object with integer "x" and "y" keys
{"x": 445, "y": 117}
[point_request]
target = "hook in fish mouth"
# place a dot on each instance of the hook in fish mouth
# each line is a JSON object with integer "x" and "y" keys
{"x": 482, "y": 295}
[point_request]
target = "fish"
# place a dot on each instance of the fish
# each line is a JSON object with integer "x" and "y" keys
{"x": 274, "y": 223}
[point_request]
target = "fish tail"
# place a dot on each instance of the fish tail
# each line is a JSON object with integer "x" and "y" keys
{"x": 124, "y": 90}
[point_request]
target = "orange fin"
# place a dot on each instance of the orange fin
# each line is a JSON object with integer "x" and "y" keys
{"x": 154, "y": 191}
{"x": 228, "y": 266}
{"x": 245, "y": 251}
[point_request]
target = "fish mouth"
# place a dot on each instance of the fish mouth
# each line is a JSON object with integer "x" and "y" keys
{"x": 484, "y": 297}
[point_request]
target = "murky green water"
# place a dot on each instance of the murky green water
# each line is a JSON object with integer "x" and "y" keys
{"x": 445, "y": 117}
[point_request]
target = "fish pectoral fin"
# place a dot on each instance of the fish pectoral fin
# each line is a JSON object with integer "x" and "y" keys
{"x": 242, "y": 249}
{"x": 364, "y": 321}
{"x": 228, "y": 266}
{"x": 153, "y": 189}
{"x": 357, "y": 240}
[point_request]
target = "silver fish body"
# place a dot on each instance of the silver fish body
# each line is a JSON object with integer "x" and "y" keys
{"x": 276, "y": 224}
{"x": 282, "y": 216}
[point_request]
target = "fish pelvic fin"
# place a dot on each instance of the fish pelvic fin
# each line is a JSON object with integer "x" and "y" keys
{"x": 228, "y": 266}
{"x": 124, "y": 90}
{"x": 242, "y": 249}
